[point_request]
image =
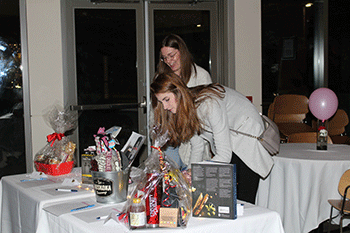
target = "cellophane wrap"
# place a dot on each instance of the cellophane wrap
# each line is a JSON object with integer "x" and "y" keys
{"x": 175, "y": 188}
{"x": 59, "y": 147}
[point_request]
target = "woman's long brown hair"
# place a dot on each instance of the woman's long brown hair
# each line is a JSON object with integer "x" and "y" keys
{"x": 185, "y": 123}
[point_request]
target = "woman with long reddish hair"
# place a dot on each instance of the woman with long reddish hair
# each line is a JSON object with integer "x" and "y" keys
{"x": 208, "y": 113}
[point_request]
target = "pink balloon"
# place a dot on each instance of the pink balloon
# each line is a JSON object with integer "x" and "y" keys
{"x": 323, "y": 103}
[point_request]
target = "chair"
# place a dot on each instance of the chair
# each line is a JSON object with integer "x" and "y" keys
{"x": 340, "y": 139}
{"x": 288, "y": 111}
{"x": 305, "y": 137}
{"x": 343, "y": 204}
{"x": 336, "y": 125}
{"x": 289, "y": 108}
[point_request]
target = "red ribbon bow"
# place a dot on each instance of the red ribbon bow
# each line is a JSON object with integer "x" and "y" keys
{"x": 52, "y": 137}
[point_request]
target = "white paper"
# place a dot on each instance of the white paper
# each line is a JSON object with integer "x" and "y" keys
{"x": 36, "y": 175}
{"x": 70, "y": 182}
{"x": 52, "y": 191}
{"x": 105, "y": 213}
{"x": 67, "y": 207}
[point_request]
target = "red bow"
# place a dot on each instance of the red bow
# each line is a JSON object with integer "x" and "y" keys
{"x": 52, "y": 137}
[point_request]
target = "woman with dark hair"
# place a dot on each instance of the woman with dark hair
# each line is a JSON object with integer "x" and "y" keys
{"x": 174, "y": 57}
{"x": 208, "y": 113}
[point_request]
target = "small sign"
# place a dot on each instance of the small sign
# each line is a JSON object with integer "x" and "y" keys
{"x": 168, "y": 217}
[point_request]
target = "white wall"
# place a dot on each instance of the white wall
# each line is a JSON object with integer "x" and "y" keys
{"x": 44, "y": 64}
{"x": 247, "y": 49}
{"x": 45, "y": 57}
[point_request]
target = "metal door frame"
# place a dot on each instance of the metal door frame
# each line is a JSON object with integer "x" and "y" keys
{"x": 69, "y": 56}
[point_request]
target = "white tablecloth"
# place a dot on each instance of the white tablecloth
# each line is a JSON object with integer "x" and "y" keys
{"x": 301, "y": 182}
{"x": 254, "y": 220}
{"x": 21, "y": 202}
{"x": 25, "y": 207}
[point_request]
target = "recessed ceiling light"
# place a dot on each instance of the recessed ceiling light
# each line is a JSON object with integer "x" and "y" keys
{"x": 308, "y": 4}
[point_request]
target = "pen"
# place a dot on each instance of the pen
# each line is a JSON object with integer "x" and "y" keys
{"x": 102, "y": 217}
{"x": 33, "y": 179}
{"x": 83, "y": 207}
{"x": 67, "y": 190}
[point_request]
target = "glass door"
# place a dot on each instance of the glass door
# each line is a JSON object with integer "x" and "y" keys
{"x": 107, "y": 79}
{"x": 109, "y": 87}
{"x": 111, "y": 51}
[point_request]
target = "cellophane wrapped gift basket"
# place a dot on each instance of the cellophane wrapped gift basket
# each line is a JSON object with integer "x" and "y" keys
{"x": 57, "y": 156}
{"x": 159, "y": 194}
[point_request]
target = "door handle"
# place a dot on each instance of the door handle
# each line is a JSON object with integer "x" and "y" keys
{"x": 143, "y": 105}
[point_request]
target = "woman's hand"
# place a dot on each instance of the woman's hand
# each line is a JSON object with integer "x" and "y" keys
{"x": 187, "y": 175}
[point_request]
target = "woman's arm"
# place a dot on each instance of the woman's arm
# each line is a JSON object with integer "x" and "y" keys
{"x": 197, "y": 149}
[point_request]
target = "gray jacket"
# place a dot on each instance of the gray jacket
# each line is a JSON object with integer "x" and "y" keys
{"x": 218, "y": 116}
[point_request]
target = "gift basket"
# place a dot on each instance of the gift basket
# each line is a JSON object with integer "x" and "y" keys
{"x": 159, "y": 195}
{"x": 57, "y": 156}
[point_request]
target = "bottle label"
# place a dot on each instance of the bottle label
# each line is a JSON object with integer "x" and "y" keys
{"x": 137, "y": 219}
